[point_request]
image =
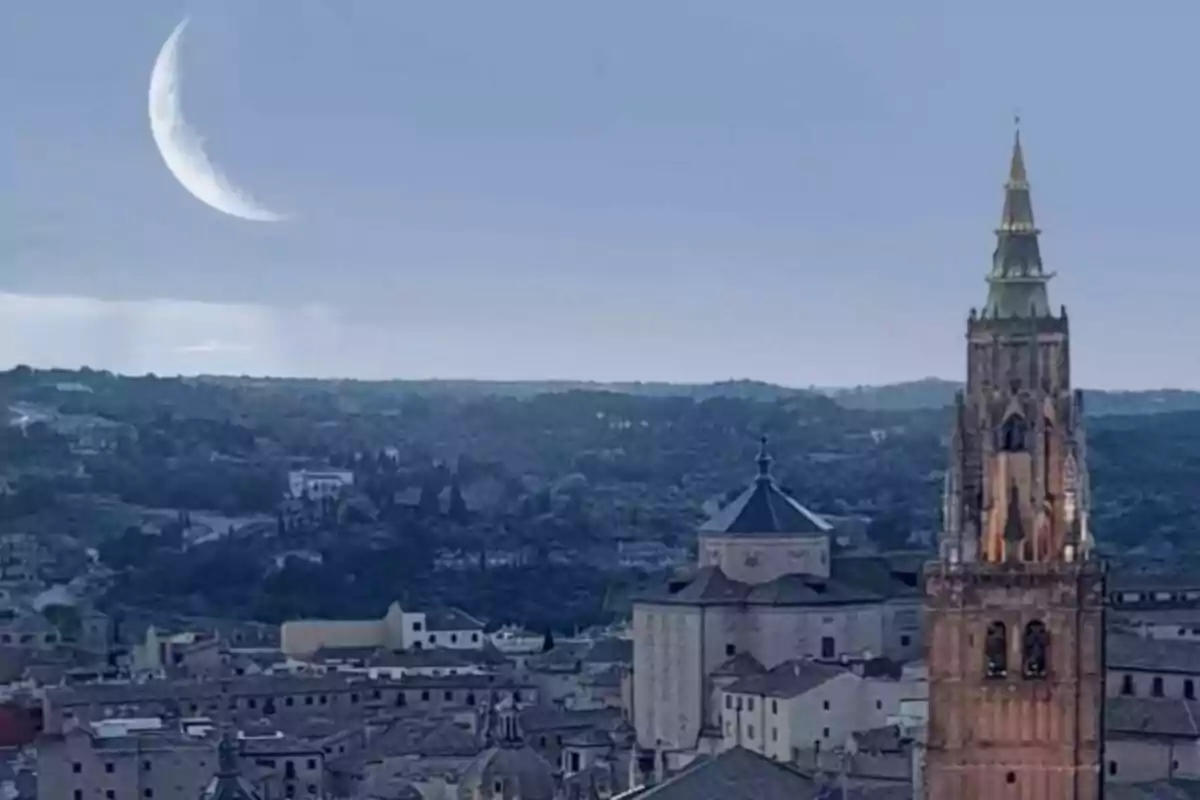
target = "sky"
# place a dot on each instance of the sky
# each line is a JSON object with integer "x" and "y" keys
{"x": 682, "y": 190}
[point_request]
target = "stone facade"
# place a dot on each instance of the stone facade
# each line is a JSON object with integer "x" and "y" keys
{"x": 1015, "y": 605}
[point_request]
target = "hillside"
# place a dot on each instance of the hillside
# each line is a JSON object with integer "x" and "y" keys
{"x": 931, "y": 393}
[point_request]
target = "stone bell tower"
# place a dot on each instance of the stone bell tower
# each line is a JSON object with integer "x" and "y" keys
{"x": 1015, "y": 602}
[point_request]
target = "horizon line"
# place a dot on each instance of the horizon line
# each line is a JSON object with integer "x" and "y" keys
{"x": 812, "y": 388}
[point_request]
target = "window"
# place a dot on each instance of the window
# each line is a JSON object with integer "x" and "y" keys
{"x": 312, "y": 790}
{"x": 1010, "y": 777}
{"x": 774, "y": 706}
{"x": 454, "y": 638}
{"x": 728, "y": 704}
{"x": 354, "y": 697}
{"x": 77, "y": 768}
{"x": 289, "y": 701}
{"x": 905, "y": 640}
{"x": 1127, "y": 685}
{"x": 879, "y": 705}
{"x": 774, "y": 734}
{"x": 828, "y": 647}
{"x": 312, "y": 763}
{"x": 448, "y": 696}
{"x": 516, "y": 697}
{"x": 108, "y": 767}
{"x": 147, "y": 793}
{"x": 574, "y": 762}
{"x": 749, "y": 703}
{"x": 1035, "y": 650}
{"x": 145, "y": 766}
{"x": 308, "y": 699}
{"x": 474, "y": 637}
{"x": 1156, "y": 688}
{"x": 433, "y": 638}
{"x": 1189, "y": 689}
{"x": 470, "y": 698}
{"x": 995, "y": 651}
{"x": 825, "y": 732}
{"x": 825, "y": 705}
{"x": 749, "y": 731}
{"x": 111, "y": 794}
{"x": 425, "y": 695}
{"x": 1112, "y": 768}
{"x": 731, "y": 649}
{"x": 1012, "y": 434}
{"x": 78, "y": 794}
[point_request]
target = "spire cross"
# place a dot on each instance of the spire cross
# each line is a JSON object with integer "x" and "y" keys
{"x": 764, "y": 460}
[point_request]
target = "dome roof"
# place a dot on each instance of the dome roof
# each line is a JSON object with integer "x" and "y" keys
{"x": 765, "y": 510}
{"x": 510, "y": 771}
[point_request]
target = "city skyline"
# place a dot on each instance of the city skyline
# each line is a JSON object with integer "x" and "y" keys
{"x": 685, "y": 182}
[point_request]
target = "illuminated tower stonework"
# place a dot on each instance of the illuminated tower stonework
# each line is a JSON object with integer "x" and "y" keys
{"x": 1015, "y": 602}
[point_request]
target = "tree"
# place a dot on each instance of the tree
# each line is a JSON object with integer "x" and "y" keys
{"x": 457, "y": 510}
{"x": 65, "y": 619}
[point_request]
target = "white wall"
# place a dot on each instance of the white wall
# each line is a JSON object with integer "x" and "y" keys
{"x": 669, "y": 667}
{"x": 676, "y": 648}
{"x": 759, "y": 558}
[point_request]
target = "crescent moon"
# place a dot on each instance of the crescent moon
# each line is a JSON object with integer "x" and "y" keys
{"x": 182, "y": 149}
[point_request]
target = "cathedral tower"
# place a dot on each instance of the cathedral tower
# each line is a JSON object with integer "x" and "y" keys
{"x": 1015, "y": 602}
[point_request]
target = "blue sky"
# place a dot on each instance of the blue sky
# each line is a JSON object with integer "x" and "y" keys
{"x": 680, "y": 190}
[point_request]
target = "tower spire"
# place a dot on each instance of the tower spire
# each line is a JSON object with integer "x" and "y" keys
{"x": 1017, "y": 282}
{"x": 764, "y": 460}
{"x": 1016, "y": 167}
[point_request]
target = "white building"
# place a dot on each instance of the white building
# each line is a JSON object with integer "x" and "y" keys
{"x": 448, "y": 628}
{"x": 318, "y": 484}
{"x": 512, "y": 640}
{"x": 769, "y": 588}
{"x": 804, "y": 705}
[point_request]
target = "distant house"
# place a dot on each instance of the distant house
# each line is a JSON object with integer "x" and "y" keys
{"x": 397, "y": 630}
{"x": 318, "y": 484}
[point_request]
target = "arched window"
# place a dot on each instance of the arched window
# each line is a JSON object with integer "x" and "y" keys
{"x": 1035, "y": 650}
{"x": 995, "y": 651}
{"x": 1012, "y": 434}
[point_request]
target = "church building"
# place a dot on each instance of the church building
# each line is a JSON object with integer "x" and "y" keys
{"x": 1014, "y": 605}
{"x": 769, "y": 587}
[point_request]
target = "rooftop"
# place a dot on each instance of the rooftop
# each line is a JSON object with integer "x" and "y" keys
{"x": 1131, "y": 652}
{"x": 765, "y": 509}
{"x": 789, "y": 679}
{"x": 853, "y": 580}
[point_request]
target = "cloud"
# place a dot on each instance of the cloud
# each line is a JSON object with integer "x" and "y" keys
{"x": 167, "y": 336}
{"x": 214, "y": 346}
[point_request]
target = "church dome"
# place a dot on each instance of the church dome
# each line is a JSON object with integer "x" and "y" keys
{"x": 764, "y": 509}
{"x": 508, "y": 772}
